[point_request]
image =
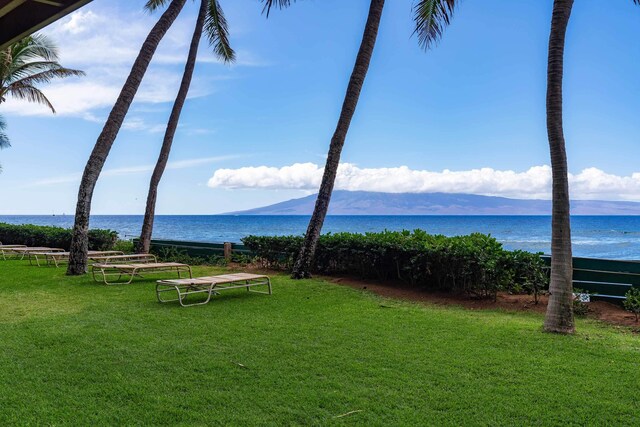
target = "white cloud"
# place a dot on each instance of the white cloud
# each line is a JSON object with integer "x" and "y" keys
{"x": 183, "y": 164}
{"x": 69, "y": 99}
{"x": 104, "y": 42}
{"x": 130, "y": 170}
{"x": 534, "y": 183}
{"x": 201, "y": 131}
{"x": 112, "y": 36}
{"x": 139, "y": 124}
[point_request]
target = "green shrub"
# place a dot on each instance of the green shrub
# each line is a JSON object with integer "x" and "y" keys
{"x": 580, "y": 307}
{"x": 632, "y": 301}
{"x": 277, "y": 253}
{"x": 54, "y": 237}
{"x": 475, "y": 264}
{"x": 125, "y": 246}
{"x": 529, "y": 273}
{"x": 242, "y": 259}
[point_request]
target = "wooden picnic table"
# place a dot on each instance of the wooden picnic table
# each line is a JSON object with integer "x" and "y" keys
{"x": 210, "y": 285}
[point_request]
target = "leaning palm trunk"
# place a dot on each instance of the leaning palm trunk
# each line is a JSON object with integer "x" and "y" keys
{"x": 559, "y": 317}
{"x": 172, "y": 125}
{"x": 79, "y": 241}
{"x": 302, "y": 265}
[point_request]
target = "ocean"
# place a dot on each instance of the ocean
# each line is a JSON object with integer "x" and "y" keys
{"x": 612, "y": 237}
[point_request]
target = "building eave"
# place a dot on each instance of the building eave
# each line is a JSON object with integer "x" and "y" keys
{"x": 20, "y": 18}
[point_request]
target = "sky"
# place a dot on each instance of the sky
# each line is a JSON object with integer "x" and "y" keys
{"x": 467, "y": 116}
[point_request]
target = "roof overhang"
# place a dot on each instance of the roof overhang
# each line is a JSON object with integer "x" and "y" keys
{"x": 20, "y": 18}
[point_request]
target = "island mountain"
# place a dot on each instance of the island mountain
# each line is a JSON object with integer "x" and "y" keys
{"x": 372, "y": 203}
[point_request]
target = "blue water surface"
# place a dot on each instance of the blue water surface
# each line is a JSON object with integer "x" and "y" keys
{"x": 615, "y": 237}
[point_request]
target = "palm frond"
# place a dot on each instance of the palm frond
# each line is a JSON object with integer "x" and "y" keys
{"x": 31, "y": 94}
{"x": 45, "y": 72}
{"x": 280, "y": 4}
{"x": 218, "y": 32}
{"x": 4, "y": 139}
{"x": 430, "y": 18}
{"x": 153, "y": 5}
{"x": 46, "y": 77}
{"x": 10, "y": 74}
{"x": 636, "y": 2}
{"x": 27, "y": 63}
{"x": 36, "y": 46}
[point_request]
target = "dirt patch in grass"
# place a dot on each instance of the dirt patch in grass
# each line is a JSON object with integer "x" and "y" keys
{"x": 599, "y": 310}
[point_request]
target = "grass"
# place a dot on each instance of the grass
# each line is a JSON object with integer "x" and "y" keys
{"x": 78, "y": 353}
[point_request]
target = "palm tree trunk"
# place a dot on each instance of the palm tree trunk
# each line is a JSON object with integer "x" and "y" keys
{"x": 559, "y": 317}
{"x": 302, "y": 266}
{"x": 172, "y": 125}
{"x": 79, "y": 241}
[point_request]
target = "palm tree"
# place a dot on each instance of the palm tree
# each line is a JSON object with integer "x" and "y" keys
{"x": 27, "y": 63}
{"x": 559, "y": 317}
{"x": 210, "y": 19}
{"x": 302, "y": 265}
{"x": 431, "y": 16}
{"x": 79, "y": 240}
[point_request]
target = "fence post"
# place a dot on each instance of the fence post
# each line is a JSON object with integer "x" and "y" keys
{"x": 227, "y": 251}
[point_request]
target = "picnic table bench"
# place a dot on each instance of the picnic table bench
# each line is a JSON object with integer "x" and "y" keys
{"x": 107, "y": 270}
{"x": 210, "y": 285}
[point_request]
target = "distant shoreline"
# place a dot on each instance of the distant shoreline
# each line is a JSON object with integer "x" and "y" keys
{"x": 595, "y": 236}
{"x": 309, "y": 215}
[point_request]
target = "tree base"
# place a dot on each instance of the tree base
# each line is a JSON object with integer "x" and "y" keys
{"x": 76, "y": 271}
{"x": 299, "y": 275}
{"x": 570, "y": 330}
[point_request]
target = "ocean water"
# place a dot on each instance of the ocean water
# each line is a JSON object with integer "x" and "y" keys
{"x": 613, "y": 237}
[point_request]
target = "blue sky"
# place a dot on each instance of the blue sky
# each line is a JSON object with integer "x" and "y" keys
{"x": 467, "y": 116}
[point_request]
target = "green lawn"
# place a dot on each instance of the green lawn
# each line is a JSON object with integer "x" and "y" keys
{"x": 77, "y": 353}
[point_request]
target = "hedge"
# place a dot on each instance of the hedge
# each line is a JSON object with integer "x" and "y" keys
{"x": 53, "y": 237}
{"x": 475, "y": 264}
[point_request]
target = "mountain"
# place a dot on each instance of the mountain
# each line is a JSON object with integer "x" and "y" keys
{"x": 370, "y": 203}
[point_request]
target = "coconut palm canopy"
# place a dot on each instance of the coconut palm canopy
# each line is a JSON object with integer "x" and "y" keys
{"x": 28, "y": 63}
{"x": 430, "y": 16}
{"x": 216, "y": 28}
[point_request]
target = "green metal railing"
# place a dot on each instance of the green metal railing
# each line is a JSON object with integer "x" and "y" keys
{"x": 608, "y": 279}
{"x": 198, "y": 249}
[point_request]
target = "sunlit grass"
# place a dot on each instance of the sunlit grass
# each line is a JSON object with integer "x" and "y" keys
{"x": 78, "y": 353}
